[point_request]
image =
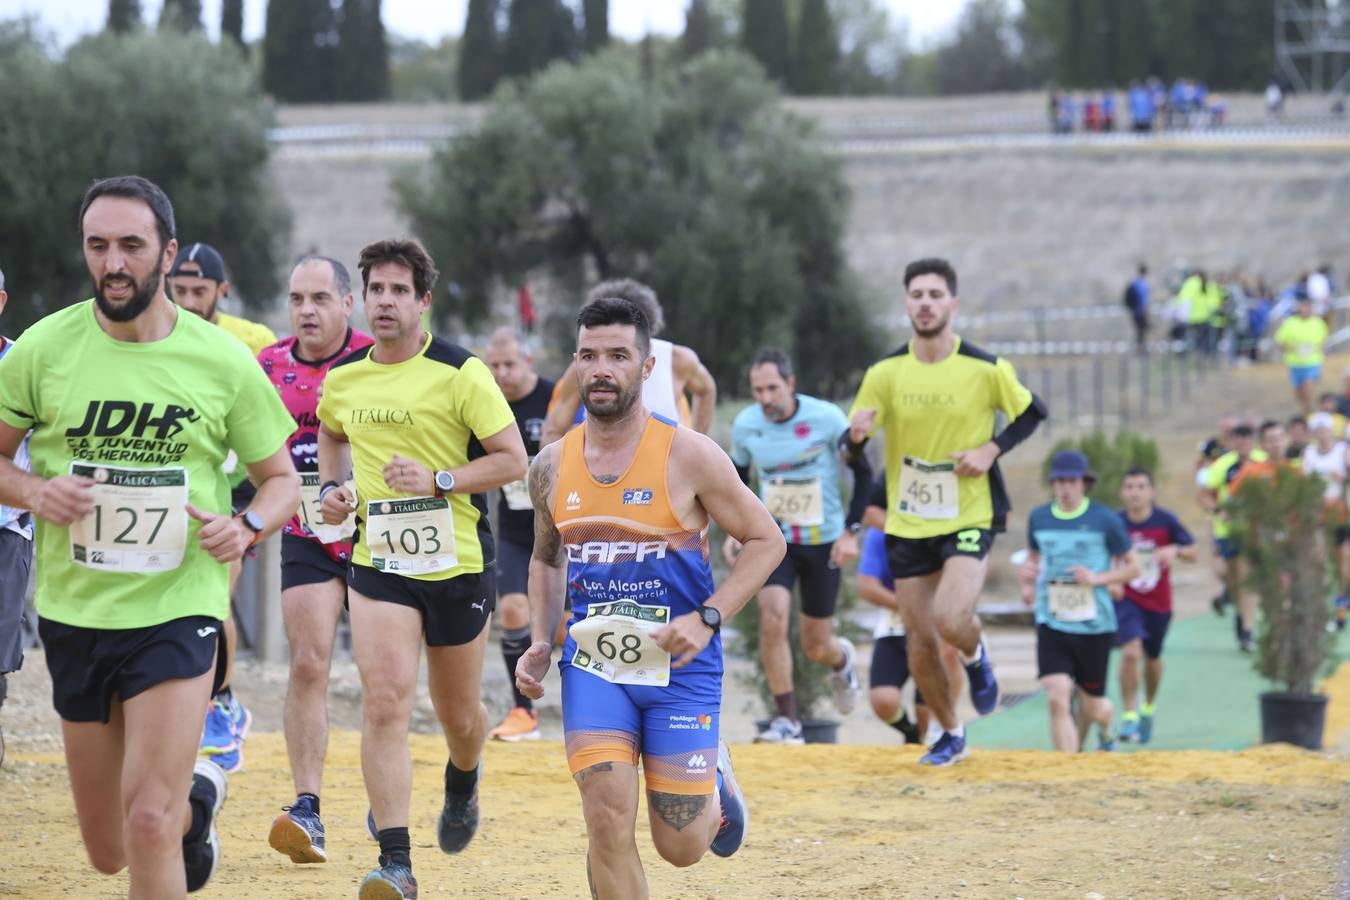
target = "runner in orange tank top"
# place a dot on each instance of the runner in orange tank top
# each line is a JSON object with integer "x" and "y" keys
{"x": 622, "y": 507}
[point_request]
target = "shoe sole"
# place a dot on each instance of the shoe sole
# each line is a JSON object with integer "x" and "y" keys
{"x": 289, "y": 837}
{"x": 729, "y": 780}
{"x": 379, "y": 889}
{"x": 795, "y": 742}
{"x": 514, "y": 738}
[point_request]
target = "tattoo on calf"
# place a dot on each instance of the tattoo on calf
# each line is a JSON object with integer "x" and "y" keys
{"x": 677, "y": 810}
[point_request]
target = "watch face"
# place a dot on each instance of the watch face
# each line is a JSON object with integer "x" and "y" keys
{"x": 253, "y": 521}
{"x": 444, "y": 481}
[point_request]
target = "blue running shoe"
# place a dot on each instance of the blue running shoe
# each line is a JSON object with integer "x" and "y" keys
{"x": 231, "y": 760}
{"x": 218, "y": 732}
{"x": 949, "y": 749}
{"x": 735, "y": 815}
{"x": 1129, "y": 727}
{"x": 298, "y": 833}
{"x": 1108, "y": 741}
{"x": 983, "y": 685}
{"x": 241, "y": 720}
{"x": 1145, "y": 729}
{"x": 391, "y": 881}
{"x": 201, "y": 851}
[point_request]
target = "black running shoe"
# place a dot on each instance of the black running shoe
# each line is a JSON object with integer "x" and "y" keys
{"x": 202, "y": 854}
{"x": 459, "y": 818}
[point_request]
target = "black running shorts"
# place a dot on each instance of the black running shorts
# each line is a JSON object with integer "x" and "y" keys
{"x": 454, "y": 610}
{"x": 306, "y": 562}
{"x": 91, "y": 666}
{"x": 1083, "y": 657}
{"x": 819, "y": 576}
{"x": 913, "y": 557}
{"x": 513, "y": 566}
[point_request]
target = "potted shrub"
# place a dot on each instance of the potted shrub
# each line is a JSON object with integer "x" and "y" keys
{"x": 1281, "y": 524}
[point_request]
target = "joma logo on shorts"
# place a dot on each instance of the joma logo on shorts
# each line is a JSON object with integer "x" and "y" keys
{"x": 616, "y": 551}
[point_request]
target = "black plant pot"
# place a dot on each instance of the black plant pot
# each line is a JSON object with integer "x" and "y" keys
{"x": 1296, "y": 719}
{"x": 815, "y": 731}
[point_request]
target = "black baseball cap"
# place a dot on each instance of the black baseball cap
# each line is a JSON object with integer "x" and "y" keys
{"x": 199, "y": 261}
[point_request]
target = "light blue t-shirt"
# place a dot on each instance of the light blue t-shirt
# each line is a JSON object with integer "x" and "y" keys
{"x": 12, "y": 518}
{"x": 1091, "y": 537}
{"x": 798, "y": 467}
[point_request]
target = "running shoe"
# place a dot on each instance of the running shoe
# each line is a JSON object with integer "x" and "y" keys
{"x": 241, "y": 720}
{"x": 218, "y": 731}
{"x": 1129, "y": 727}
{"x": 201, "y": 852}
{"x": 845, "y": 680}
{"x": 520, "y": 724}
{"x": 1145, "y": 728}
{"x": 1108, "y": 741}
{"x": 735, "y": 815}
{"x": 1220, "y": 602}
{"x": 459, "y": 818}
{"x": 949, "y": 749}
{"x": 391, "y": 881}
{"x": 781, "y": 730}
{"x": 983, "y": 684}
{"x": 298, "y": 833}
{"x": 1246, "y": 643}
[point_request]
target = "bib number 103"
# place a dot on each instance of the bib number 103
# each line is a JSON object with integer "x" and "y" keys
{"x": 415, "y": 536}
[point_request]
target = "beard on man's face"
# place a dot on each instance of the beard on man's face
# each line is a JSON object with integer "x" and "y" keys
{"x": 133, "y": 306}
{"x": 615, "y": 406}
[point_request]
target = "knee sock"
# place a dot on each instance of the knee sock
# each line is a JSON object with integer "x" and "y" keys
{"x": 515, "y": 642}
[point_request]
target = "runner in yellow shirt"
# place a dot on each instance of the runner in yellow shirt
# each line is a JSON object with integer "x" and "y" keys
{"x": 1303, "y": 338}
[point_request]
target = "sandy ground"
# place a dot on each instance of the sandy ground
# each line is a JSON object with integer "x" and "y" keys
{"x": 853, "y": 820}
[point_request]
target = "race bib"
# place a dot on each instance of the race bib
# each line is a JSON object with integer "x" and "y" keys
{"x": 1071, "y": 601}
{"x": 929, "y": 490}
{"x": 517, "y": 495}
{"x": 795, "y": 501}
{"x": 139, "y": 523}
{"x": 614, "y": 642}
{"x": 412, "y": 536}
{"x": 311, "y": 513}
{"x": 1150, "y": 570}
{"x": 892, "y": 625}
{"x": 1305, "y": 350}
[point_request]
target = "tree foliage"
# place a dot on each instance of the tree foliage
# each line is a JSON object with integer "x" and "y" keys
{"x": 363, "y": 53}
{"x": 1225, "y": 43}
{"x": 538, "y": 32}
{"x": 767, "y": 36}
{"x": 983, "y": 55}
{"x": 1280, "y": 523}
{"x": 124, "y": 15}
{"x": 698, "y": 183}
{"x": 124, "y": 96}
{"x": 299, "y": 52}
{"x": 232, "y": 21}
{"x": 423, "y": 73}
{"x": 184, "y": 15}
{"x": 1110, "y": 458}
{"x": 816, "y": 51}
{"x": 595, "y": 15}
{"x": 480, "y": 52}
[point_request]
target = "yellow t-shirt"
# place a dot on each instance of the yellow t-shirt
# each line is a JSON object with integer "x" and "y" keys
{"x": 436, "y": 408}
{"x": 1303, "y": 340}
{"x": 930, "y": 411}
{"x": 254, "y": 334}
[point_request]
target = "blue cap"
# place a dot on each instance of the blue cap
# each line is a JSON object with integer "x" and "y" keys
{"x": 200, "y": 261}
{"x": 1069, "y": 464}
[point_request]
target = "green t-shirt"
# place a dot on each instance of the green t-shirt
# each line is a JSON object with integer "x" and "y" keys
{"x": 1303, "y": 340}
{"x": 151, "y": 423}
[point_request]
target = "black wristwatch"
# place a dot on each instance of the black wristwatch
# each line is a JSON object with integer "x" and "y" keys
{"x": 711, "y": 617}
{"x": 855, "y": 528}
{"x": 254, "y": 523}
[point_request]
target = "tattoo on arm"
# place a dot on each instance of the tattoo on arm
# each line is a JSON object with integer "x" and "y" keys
{"x": 547, "y": 539}
{"x": 594, "y": 770}
{"x": 677, "y": 810}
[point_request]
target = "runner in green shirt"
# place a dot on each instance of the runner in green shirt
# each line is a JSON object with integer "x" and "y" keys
{"x": 133, "y": 406}
{"x": 1303, "y": 338}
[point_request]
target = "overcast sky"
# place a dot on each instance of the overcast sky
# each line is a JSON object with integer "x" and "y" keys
{"x": 69, "y": 19}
